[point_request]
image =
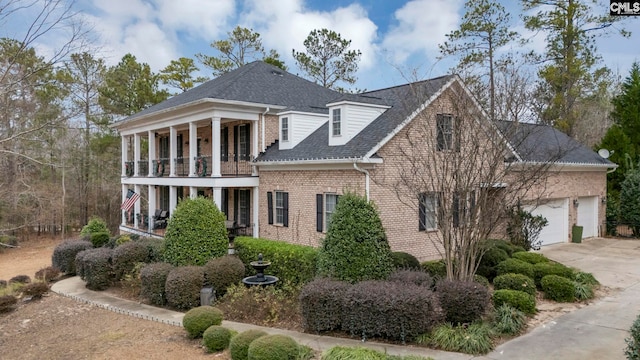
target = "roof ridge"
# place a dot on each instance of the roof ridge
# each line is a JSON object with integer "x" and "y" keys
{"x": 409, "y": 84}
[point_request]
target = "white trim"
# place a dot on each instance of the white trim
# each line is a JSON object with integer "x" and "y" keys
{"x": 347, "y": 102}
{"x": 561, "y": 166}
{"x": 348, "y": 161}
{"x": 296, "y": 112}
{"x": 222, "y": 182}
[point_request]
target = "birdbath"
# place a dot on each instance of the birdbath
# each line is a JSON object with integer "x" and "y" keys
{"x": 260, "y": 278}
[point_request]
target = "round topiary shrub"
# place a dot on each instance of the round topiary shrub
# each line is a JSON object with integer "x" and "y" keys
{"x": 462, "y": 301}
{"x": 436, "y": 268}
{"x": 35, "y": 290}
{"x": 95, "y": 225}
{"x": 47, "y": 274}
{"x": 517, "y": 299}
{"x": 153, "y": 278}
{"x": 273, "y": 347}
{"x": 223, "y": 272}
{"x": 126, "y": 256}
{"x": 515, "y": 282}
{"x": 356, "y": 246}
{"x": 20, "y": 279}
{"x": 531, "y": 258}
{"x": 321, "y": 304}
{"x": 97, "y": 270}
{"x": 514, "y": 266}
{"x": 100, "y": 239}
{"x": 196, "y": 232}
{"x": 490, "y": 259}
{"x": 200, "y": 318}
{"x": 419, "y": 278}
{"x": 405, "y": 261}
{"x": 558, "y": 288}
{"x": 481, "y": 280}
{"x": 183, "y": 287}
{"x": 239, "y": 345}
{"x": 216, "y": 338}
{"x": 64, "y": 255}
{"x": 541, "y": 270}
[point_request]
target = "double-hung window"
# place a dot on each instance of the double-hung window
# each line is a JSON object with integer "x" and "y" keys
{"x": 336, "y": 122}
{"x": 325, "y": 207}
{"x": 444, "y": 128}
{"x": 285, "y": 129}
{"x": 279, "y": 207}
{"x": 428, "y": 211}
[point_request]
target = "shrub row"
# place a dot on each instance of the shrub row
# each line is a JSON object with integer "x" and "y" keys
{"x": 183, "y": 287}
{"x": 515, "y": 282}
{"x": 558, "y": 288}
{"x": 462, "y": 302}
{"x": 95, "y": 268}
{"x": 64, "y": 255}
{"x": 153, "y": 278}
{"x": 222, "y": 272}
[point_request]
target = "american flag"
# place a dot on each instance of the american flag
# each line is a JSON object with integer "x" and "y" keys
{"x": 132, "y": 197}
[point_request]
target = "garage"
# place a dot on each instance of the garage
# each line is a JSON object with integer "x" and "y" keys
{"x": 557, "y": 214}
{"x": 588, "y": 216}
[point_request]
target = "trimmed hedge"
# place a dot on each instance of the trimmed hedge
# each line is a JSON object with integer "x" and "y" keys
{"x": 515, "y": 282}
{"x": 64, "y": 255}
{"x": 100, "y": 239}
{"x": 223, "y": 272}
{"x": 519, "y": 300}
{"x": 126, "y": 256}
{"x": 216, "y": 338}
{"x": 155, "y": 247}
{"x": 79, "y": 263}
{"x": 541, "y": 270}
{"x": 239, "y": 345}
{"x": 389, "y": 309}
{"x": 321, "y": 304}
{"x": 273, "y": 347}
{"x": 292, "y": 263}
{"x": 97, "y": 270}
{"x": 153, "y": 278}
{"x": 514, "y": 266}
{"x": 183, "y": 287}
{"x": 405, "y": 261}
{"x": 200, "y": 318}
{"x": 490, "y": 259}
{"x": 462, "y": 302}
{"x": 436, "y": 268}
{"x": 558, "y": 288}
{"x": 420, "y": 278}
{"x": 530, "y": 257}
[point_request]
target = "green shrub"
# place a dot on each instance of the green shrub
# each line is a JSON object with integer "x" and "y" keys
{"x": 508, "y": 320}
{"x": 35, "y": 290}
{"x": 99, "y": 239}
{"x": 436, "y": 268}
{"x": 200, "y": 318}
{"x": 273, "y": 347}
{"x": 239, "y": 345}
{"x": 461, "y": 301}
{"x": 504, "y": 245}
{"x": 489, "y": 260}
{"x": 321, "y": 304}
{"x": 216, "y": 338}
{"x": 583, "y": 291}
{"x": 420, "y": 278}
{"x": 183, "y": 287}
{"x": 196, "y": 233}
{"x": 361, "y": 353}
{"x": 514, "y": 266}
{"x": 79, "y": 263}
{"x": 632, "y": 351}
{"x": 7, "y": 303}
{"x": 541, "y": 270}
{"x": 523, "y": 228}
{"x": 481, "y": 280}
{"x": 356, "y": 246}
{"x": 403, "y": 260}
{"x": 515, "y": 282}
{"x": 64, "y": 255}
{"x": 95, "y": 225}
{"x": 629, "y": 208}
{"x": 222, "y": 272}
{"x": 155, "y": 247}
{"x": 558, "y": 288}
{"x": 47, "y": 274}
{"x": 153, "y": 278}
{"x": 530, "y": 257}
{"x": 20, "y": 279}
{"x": 126, "y": 256}
{"x": 517, "y": 299}
{"x": 97, "y": 270}
{"x": 586, "y": 278}
{"x": 473, "y": 339}
{"x": 293, "y": 263}
{"x": 392, "y": 310}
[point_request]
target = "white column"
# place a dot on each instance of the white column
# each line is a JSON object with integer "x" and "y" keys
{"x": 136, "y": 154}
{"x": 152, "y": 204}
{"x": 125, "y": 154}
{"x": 173, "y": 150}
{"x": 124, "y": 197}
{"x": 215, "y": 147}
{"x": 255, "y": 194}
{"x": 193, "y": 147}
{"x": 136, "y": 207}
{"x": 152, "y": 153}
{"x": 173, "y": 199}
{"x": 217, "y": 197}
{"x": 193, "y": 192}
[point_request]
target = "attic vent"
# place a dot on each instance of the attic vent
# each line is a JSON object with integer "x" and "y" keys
{"x": 277, "y": 73}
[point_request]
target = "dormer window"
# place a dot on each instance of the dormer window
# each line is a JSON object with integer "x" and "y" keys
{"x": 336, "y": 122}
{"x": 285, "y": 129}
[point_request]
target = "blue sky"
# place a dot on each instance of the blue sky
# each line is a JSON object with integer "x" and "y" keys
{"x": 398, "y": 39}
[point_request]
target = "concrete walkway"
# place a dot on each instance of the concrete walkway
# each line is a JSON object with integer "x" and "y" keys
{"x": 594, "y": 332}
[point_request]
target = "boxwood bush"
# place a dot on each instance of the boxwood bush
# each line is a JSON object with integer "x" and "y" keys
{"x": 403, "y": 260}
{"x": 155, "y": 247}
{"x": 239, "y": 345}
{"x": 321, "y": 304}
{"x": 515, "y": 282}
{"x": 222, "y": 272}
{"x": 99, "y": 239}
{"x": 183, "y": 287}
{"x": 200, "y": 318}
{"x": 273, "y": 347}
{"x": 517, "y": 299}
{"x": 95, "y": 225}
{"x": 541, "y": 270}
{"x": 462, "y": 301}
{"x": 216, "y": 338}
{"x": 97, "y": 269}
{"x": 420, "y": 278}
{"x": 153, "y": 278}
{"x": 391, "y": 310}
{"x": 530, "y": 257}
{"x": 196, "y": 233}
{"x": 291, "y": 263}
{"x": 436, "y": 268}
{"x": 514, "y": 266}
{"x": 126, "y": 256}
{"x": 64, "y": 255}
{"x": 558, "y": 288}
{"x": 489, "y": 260}
{"x": 356, "y": 246}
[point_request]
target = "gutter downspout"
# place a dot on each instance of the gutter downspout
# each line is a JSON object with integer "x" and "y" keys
{"x": 264, "y": 146}
{"x": 366, "y": 178}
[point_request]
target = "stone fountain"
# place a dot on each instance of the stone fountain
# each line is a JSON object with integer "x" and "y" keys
{"x": 260, "y": 278}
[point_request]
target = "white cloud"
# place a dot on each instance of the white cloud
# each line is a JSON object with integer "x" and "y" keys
{"x": 205, "y": 20}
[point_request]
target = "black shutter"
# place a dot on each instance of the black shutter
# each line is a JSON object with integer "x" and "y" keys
{"x": 236, "y": 205}
{"x": 455, "y": 209}
{"x": 224, "y": 144}
{"x": 285, "y": 210}
{"x": 270, "y": 207}
{"x": 247, "y": 147}
{"x": 319, "y": 212}
{"x": 224, "y": 207}
{"x": 422, "y": 212}
{"x": 235, "y": 143}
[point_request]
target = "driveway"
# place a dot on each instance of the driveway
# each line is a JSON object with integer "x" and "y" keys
{"x": 598, "y": 330}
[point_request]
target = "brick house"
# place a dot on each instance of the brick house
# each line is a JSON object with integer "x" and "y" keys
{"x": 275, "y": 151}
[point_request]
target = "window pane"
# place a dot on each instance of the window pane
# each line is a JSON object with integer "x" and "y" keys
{"x": 444, "y": 124}
{"x": 329, "y": 207}
{"x": 285, "y": 129}
{"x": 430, "y": 203}
{"x": 279, "y": 207}
{"x": 336, "y": 122}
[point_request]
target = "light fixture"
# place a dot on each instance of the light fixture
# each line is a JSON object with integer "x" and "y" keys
{"x": 603, "y": 200}
{"x": 575, "y": 202}
{"x": 186, "y": 143}
{"x": 206, "y": 140}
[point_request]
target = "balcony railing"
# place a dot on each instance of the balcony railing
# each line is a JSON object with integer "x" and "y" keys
{"x": 143, "y": 168}
{"x": 160, "y": 167}
{"x": 230, "y": 167}
{"x": 182, "y": 166}
{"x": 236, "y": 166}
{"x": 128, "y": 168}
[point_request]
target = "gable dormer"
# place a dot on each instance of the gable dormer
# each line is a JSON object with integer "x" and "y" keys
{"x": 295, "y": 126}
{"x": 348, "y": 118}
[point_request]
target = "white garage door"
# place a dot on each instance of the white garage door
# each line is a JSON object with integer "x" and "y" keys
{"x": 557, "y": 214}
{"x": 588, "y": 216}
